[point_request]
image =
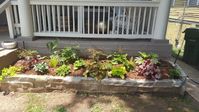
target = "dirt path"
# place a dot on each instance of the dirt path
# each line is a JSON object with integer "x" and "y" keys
{"x": 73, "y": 102}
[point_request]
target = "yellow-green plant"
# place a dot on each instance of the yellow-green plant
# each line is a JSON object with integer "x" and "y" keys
{"x": 11, "y": 71}
{"x": 54, "y": 60}
{"x": 118, "y": 71}
{"x": 63, "y": 70}
{"x": 79, "y": 64}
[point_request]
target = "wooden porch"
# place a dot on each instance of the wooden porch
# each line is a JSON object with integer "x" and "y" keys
{"x": 131, "y": 25}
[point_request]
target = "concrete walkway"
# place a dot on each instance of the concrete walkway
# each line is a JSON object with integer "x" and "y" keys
{"x": 193, "y": 80}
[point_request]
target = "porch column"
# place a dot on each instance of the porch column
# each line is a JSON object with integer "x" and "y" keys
{"x": 162, "y": 19}
{"x": 25, "y": 18}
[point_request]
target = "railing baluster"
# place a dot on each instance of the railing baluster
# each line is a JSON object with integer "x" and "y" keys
{"x": 143, "y": 23}
{"x": 88, "y": 19}
{"x": 43, "y": 17}
{"x": 133, "y": 23}
{"x": 10, "y": 21}
{"x": 83, "y": 21}
{"x": 113, "y": 27}
{"x": 49, "y": 18}
{"x": 103, "y": 20}
{"x": 38, "y": 18}
{"x": 98, "y": 19}
{"x": 123, "y": 20}
{"x": 33, "y": 18}
{"x": 58, "y": 18}
{"x": 73, "y": 18}
{"x": 68, "y": 14}
{"x": 129, "y": 18}
{"x": 149, "y": 21}
{"x": 138, "y": 25}
{"x": 16, "y": 18}
{"x": 54, "y": 20}
{"x": 108, "y": 26}
{"x": 118, "y": 21}
{"x": 63, "y": 18}
{"x": 154, "y": 19}
{"x": 93, "y": 19}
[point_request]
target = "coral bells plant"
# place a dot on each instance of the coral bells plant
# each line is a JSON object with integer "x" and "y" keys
{"x": 147, "y": 66}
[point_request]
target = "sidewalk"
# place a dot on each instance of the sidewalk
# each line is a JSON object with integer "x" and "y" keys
{"x": 193, "y": 79}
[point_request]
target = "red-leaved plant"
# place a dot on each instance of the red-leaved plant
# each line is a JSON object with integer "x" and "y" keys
{"x": 147, "y": 66}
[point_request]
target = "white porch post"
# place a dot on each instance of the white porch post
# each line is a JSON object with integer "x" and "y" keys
{"x": 162, "y": 19}
{"x": 25, "y": 18}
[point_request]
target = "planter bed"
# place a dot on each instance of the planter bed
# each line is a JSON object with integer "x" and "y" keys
{"x": 100, "y": 73}
{"x": 46, "y": 83}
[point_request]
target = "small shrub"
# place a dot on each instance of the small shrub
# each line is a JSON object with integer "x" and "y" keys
{"x": 26, "y": 54}
{"x": 68, "y": 55}
{"x": 96, "y": 54}
{"x": 118, "y": 71}
{"x": 11, "y": 71}
{"x": 174, "y": 73}
{"x": 79, "y": 64}
{"x": 63, "y": 70}
{"x": 52, "y": 46}
{"x": 54, "y": 60}
{"x": 97, "y": 70}
{"x": 41, "y": 68}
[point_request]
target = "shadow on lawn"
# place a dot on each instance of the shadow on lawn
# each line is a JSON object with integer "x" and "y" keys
{"x": 126, "y": 103}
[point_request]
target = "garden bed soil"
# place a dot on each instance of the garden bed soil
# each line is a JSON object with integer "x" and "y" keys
{"x": 164, "y": 68}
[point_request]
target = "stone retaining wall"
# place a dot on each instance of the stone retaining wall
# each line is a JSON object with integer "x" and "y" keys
{"x": 36, "y": 83}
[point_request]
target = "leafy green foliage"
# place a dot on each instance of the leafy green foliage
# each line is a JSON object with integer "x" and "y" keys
{"x": 68, "y": 55}
{"x": 52, "y": 46}
{"x": 24, "y": 53}
{"x": 63, "y": 70}
{"x": 11, "y": 71}
{"x": 174, "y": 73}
{"x": 118, "y": 71}
{"x": 79, "y": 64}
{"x": 97, "y": 70}
{"x": 54, "y": 60}
{"x": 41, "y": 68}
{"x": 144, "y": 56}
{"x": 117, "y": 58}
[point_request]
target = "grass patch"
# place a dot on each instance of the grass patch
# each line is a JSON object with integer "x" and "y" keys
{"x": 96, "y": 108}
{"x": 34, "y": 104}
{"x": 60, "y": 109}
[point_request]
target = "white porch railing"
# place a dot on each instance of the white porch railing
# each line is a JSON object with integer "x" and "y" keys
{"x": 89, "y": 18}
